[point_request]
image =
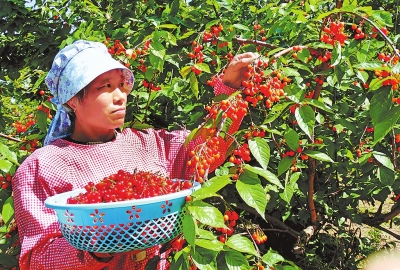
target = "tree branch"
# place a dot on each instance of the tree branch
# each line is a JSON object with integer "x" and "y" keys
{"x": 270, "y": 219}
{"x": 10, "y": 138}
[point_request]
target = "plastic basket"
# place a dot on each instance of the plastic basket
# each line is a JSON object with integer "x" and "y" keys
{"x": 120, "y": 226}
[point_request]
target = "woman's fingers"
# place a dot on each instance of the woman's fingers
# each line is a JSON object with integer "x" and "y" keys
{"x": 234, "y": 74}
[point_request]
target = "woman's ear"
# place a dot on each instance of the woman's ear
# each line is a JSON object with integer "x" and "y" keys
{"x": 72, "y": 103}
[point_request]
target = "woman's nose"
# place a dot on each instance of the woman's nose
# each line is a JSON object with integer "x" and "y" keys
{"x": 119, "y": 94}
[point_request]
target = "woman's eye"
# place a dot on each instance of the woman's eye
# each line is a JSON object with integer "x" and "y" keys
{"x": 106, "y": 85}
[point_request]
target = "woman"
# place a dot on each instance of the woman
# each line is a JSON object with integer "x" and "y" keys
{"x": 84, "y": 145}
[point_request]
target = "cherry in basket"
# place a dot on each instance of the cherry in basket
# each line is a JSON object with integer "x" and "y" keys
{"x": 124, "y": 186}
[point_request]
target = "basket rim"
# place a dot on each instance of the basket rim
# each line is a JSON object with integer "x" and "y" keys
{"x": 58, "y": 201}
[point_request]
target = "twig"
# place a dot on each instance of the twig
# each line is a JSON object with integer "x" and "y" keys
{"x": 257, "y": 42}
{"x": 387, "y": 231}
{"x": 10, "y": 138}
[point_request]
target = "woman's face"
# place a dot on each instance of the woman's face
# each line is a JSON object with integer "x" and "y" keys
{"x": 104, "y": 105}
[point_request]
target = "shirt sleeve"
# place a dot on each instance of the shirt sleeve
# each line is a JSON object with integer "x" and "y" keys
{"x": 221, "y": 88}
{"x": 42, "y": 244}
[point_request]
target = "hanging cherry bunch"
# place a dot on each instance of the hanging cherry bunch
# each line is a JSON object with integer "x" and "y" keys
{"x": 335, "y": 32}
{"x": 124, "y": 186}
{"x": 263, "y": 87}
{"x": 30, "y": 145}
{"x": 258, "y": 235}
{"x": 207, "y": 153}
{"x": 5, "y": 181}
{"x": 230, "y": 219}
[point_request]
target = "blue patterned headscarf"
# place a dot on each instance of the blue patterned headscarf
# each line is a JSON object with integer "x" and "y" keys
{"x": 74, "y": 67}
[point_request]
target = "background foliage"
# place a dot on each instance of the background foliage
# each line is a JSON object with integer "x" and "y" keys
{"x": 330, "y": 149}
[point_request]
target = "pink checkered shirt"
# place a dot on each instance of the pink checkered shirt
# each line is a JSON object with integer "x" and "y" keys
{"x": 63, "y": 166}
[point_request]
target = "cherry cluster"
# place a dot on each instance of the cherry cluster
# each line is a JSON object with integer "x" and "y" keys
{"x": 151, "y": 86}
{"x": 204, "y": 156}
{"x": 124, "y": 186}
{"x": 207, "y": 153}
{"x": 259, "y": 236}
{"x": 5, "y": 181}
{"x": 230, "y": 219}
{"x": 213, "y": 34}
{"x": 260, "y": 86}
{"x": 30, "y": 145}
{"x": 117, "y": 50}
{"x": 241, "y": 154}
{"x": 22, "y": 126}
{"x": 335, "y": 32}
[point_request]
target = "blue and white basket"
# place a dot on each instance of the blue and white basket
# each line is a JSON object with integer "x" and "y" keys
{"x": 120, "y": 226}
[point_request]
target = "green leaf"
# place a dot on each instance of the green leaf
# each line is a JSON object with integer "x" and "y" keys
{"x": 187, "y": 34}
{"x": 250, "y": 190}
{"x": 241, "y": 27}
{"x": 174, "y": 8}
{"x": 8, "y": 260}
{"x": 284, "y": 164}
{"x": 203, "y": 258}
{"x": 380, "y": 103}
{"x": 189, "y": 229}
{"x": 336, "y": 54}
{"x": 216, "y": 183}
{"x": 276, "y": 111}
{"x": 235, "y": 260}
{"x": 5, "y": 165}
{"x": 369, "y": 66}
{"x": 396, "y": 69}
{"x": 260, "y": 150}
{"x": 168, "y": 25}
{"x": 290, "y": 72}
{"x": 290, "y": 187}
{"x": 8, "y": 210}
{"x": 180, "y": 261}
{"x": 303, "y": 55}
{"x": 212, "y": 186}
{"x": 292, "y": 138}
{"x": 386, "y": 176}
{"x": 241, "y": 244}
{"x": 382, "y": 16}
{"x": 214, "y": 244}
{"x": 272, "y": 178}
{"x": 203, "y": 67}
{"x": 318, "y": 155}
{"x": 272, "y": 257}
{"x": 207, "y": 214}
{"x": 41, "y": 121}
{"x": 386, "y": 124}
{"x": 6, "y": 153}
{"x": 186, "y": 70}
{"x": 157, "y": 49}
{"x": 306, "y": 119}
{"x": 205, "y": 234}
{"x": 320, "y": 105}
{"x": 383, "y": 159}
{"x": 194, "y": 85}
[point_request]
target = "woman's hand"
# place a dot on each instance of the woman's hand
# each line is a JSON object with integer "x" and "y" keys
{"x": 106, "y": 257}
{"x": 234, "y": 74}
